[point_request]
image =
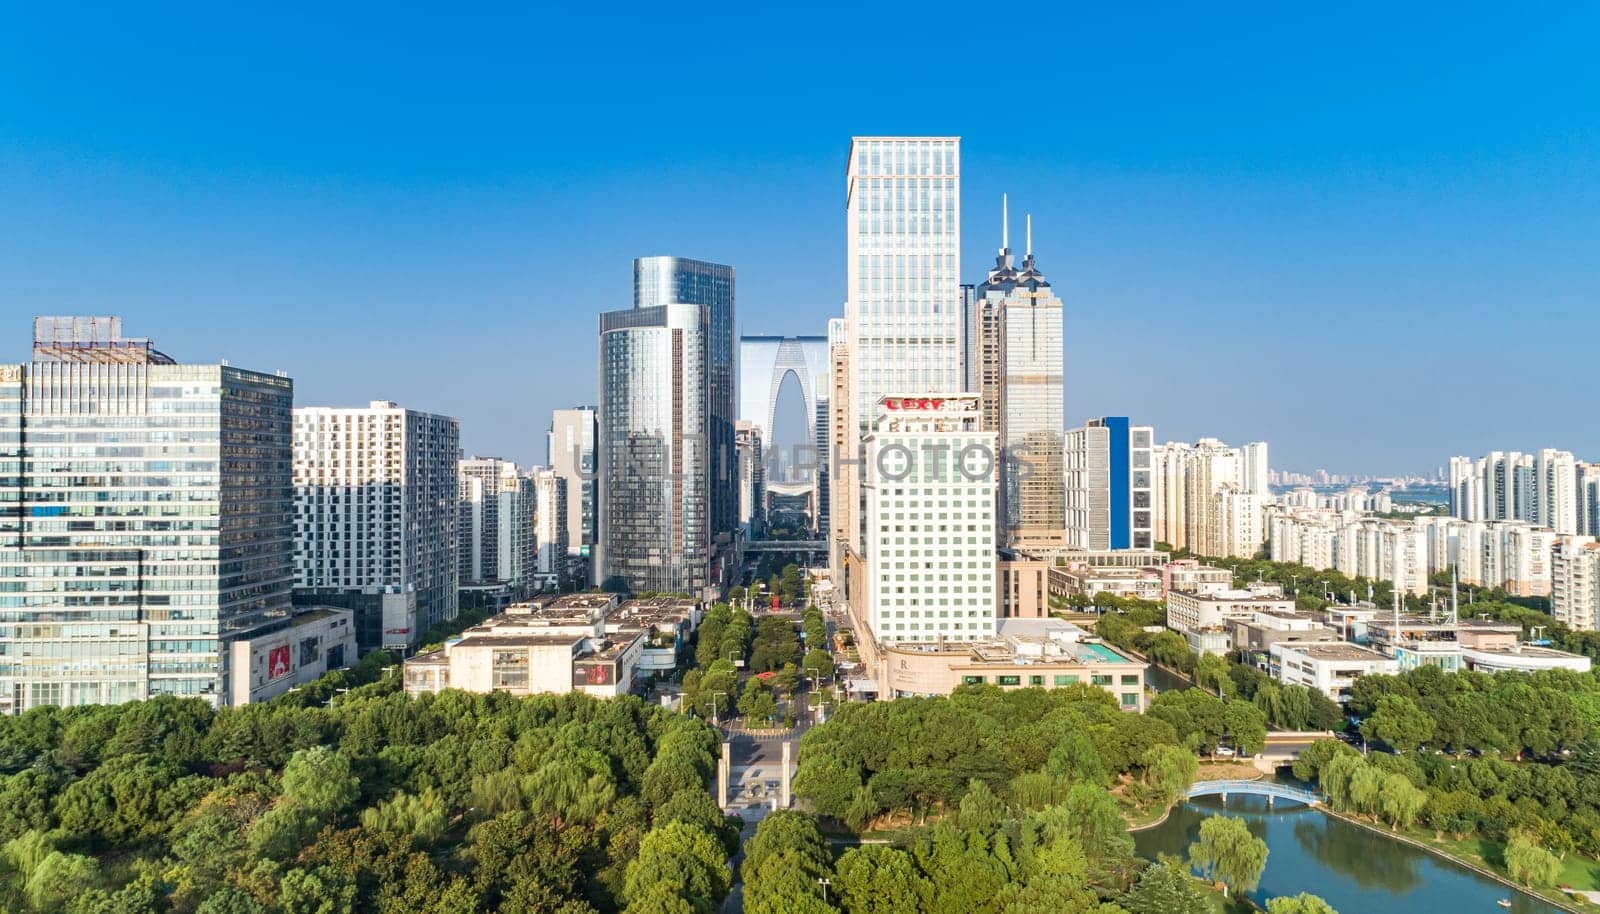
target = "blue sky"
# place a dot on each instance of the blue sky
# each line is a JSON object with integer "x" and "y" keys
{"x": 1368, "y": 235}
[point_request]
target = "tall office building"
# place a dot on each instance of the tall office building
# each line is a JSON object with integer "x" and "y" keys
{"x": 496, "y": 523}
{"x": 659, "y": 281}
{"x": 551, "y": 513}
{"x": 655, "y": 530}
{"x": 570, "y": 454}
{"x": 145, "y": 519}
{"x": 1014, "y": 363}
{"x": 752, "y": 479}
{"x": 902, "y": 267}
{"x": 377, "y": 506}
{"x": 843, "y": 474}
{"x": 930, "y": 520}
{"x": 1109, "y": 486}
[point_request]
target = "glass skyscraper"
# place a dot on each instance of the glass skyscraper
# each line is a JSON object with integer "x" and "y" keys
{"x": 903, "y": 267}
{"x": 655, "y": 493}
{"x": 1014, "y": 359}
{"x": 661, "y": 281}
{"x": 146, "y": 518}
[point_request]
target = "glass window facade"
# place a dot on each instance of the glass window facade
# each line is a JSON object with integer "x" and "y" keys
{"x": 145, "y": 519}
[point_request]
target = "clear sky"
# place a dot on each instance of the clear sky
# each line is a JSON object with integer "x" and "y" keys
{"x": 1367, "y": 234}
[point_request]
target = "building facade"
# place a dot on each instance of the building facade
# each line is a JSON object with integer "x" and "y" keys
{"x": 496, "y": 523}
{"x": 662, "y": 281}
{"x": 1109, "y": 485}
{"x": 931, "y": 528}
{"x": 1575, "y": 583}
{"x": 146, "y": 519}
{"x": 570, "y": 454}
{"x": 655, "y": 529}
{"x": 377, "y": 498}
{"x": 1542, "y": 489}
{"x": 551, "y": 514}
{"x": 903, "y": 268}
{"x": 1014, "y": 362}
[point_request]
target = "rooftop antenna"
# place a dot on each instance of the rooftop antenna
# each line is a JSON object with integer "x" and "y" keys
{"x": 1396, "y": 638}
{"x": 1030, "y": 235}
{"x": 1005, "y": 223}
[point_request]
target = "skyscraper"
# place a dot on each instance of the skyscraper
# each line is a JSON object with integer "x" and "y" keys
{"x": 1014, "y": 354}
{"x": 570, "y": 453}
{"x": 1543, "y": 489}
{"x": 681, "y": 281}
{"x": 377, "y": 504}
{"x": 903, "y": 268}
{"x": 655, "y": 482}
{"x": 1109, "y": 500}
{"x": 145, "y": 519}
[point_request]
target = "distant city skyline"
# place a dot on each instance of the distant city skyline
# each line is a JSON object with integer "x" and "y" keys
{"x": 1371, "y": 260}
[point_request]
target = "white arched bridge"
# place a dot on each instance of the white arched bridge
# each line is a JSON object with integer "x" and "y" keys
{"x": 1269, "y": 789}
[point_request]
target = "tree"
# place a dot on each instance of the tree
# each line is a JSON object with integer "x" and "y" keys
{"x": 879, "y": 879}
{"x": 1169, "y": 771}
{"x": 1165, "y": 888}
{"x": 1303, "y": 903}
{"x": 683, "y": 858}
{"x": 1248, "y": 727}
{"x": 1400, "y": 800}
{"x": 1398, "y": 722}
{"x": 1228, "y": 853}
{"x": 319, "y": 780}
{"x": 1528, "y": 863}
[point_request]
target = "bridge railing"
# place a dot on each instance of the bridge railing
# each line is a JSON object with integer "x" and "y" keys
{"x": 1254, "y": 788}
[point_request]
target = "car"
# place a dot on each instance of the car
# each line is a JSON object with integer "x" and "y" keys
{"x": 1225, "y": 751}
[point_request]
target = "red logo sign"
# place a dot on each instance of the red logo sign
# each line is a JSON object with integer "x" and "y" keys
{"x": 278, "y": 662}
{"x": 914, "y": 403}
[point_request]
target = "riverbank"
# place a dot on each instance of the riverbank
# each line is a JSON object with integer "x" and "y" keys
{"x": 1475, "y": 862}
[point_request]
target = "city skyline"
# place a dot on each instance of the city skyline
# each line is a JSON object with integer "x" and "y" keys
{"x": 1381, "y": 217}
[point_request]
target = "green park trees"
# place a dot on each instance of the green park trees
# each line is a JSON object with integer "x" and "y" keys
{"x": 1227, "y": 852}
{"x": 451, "y": 802}
{"x": 1529, "y": 863}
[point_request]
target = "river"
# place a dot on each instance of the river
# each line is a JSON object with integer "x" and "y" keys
{"x": 1355, "y": 870}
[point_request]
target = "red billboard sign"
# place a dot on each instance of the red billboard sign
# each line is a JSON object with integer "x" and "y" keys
{"x": 914, "y": 403}
{"x": 278, "y": 662}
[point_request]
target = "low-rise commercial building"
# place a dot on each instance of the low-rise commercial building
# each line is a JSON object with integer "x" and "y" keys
{"x": 550, "y": 644}
{"x": 667, "y": 623}
{"x": 1090, "y": 581}
{"x": 1047, "y": 653}
{"x": 1256, "y": 635}
{"x": 1190, "y": 575}
{"x": 1331, "y": 669}
{"x": 290, "y": 653}
{"x": 1190, "y": 613}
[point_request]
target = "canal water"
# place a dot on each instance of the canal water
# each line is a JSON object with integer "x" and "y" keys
{"x": 1355, "y": 870}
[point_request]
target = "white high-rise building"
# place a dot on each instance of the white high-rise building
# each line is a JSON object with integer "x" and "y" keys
{"x": 377, "y": 502}
{"x": 1575, "y": 583}
{"x": 496, "y": 523}
{"x": 903, "y": 269}
{"x": 930, "y": 519}
{"x": 1201, "y": 499}
{"x": 570, "y": 454}
{"x": 1555, "y": 492}
{"x": 1587, "y": 486}
{"x": 1256, "y": 469}
{"x": 551, "y": 515}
